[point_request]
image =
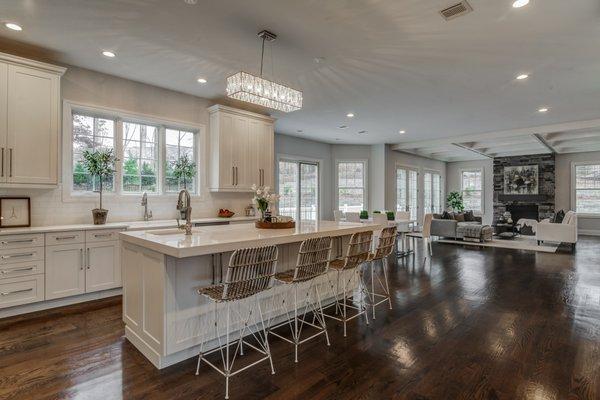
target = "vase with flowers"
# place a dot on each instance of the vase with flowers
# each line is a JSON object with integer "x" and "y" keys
{"x": 263, "y": 198}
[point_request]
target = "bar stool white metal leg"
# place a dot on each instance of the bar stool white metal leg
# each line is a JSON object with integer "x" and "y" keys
{"x": 347, "y": 272}
{"x": 385, "y": 247}
{"x": 313, "y": 261}
{"x": 250, "y": 272}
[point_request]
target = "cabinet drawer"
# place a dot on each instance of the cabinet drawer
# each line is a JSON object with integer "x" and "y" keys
{"x": 103, "y": 235}
{"x": 21, "y": 269}
{"x": 20, "y": 241}
{"x": 23, "y": 290}
{"x": 21, "y": 255}
{"x": 56, "y": 238}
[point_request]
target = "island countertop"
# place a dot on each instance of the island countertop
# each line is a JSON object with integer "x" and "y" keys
{"x": 220, "y": 239}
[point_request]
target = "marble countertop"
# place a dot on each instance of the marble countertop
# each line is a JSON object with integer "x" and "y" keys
{"x": 224, "y": 238}
{"x": 131, "y": 225}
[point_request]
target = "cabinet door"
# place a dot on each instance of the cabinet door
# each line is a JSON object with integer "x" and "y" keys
{"x": 65, "y": 274}
{"x": 241, "y": 152}
{"x": 255, "y": 138}
{"x": 3, "y": 123}
{"x": 103, "y": 266}
{"x": 226, "y": 149}
{"x": 266, "y": 154}
{"x": 32, "y": 139}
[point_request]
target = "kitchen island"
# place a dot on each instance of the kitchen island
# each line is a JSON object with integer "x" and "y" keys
{"x": 165, "y": 318}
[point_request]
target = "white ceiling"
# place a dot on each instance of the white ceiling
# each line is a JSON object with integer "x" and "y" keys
{"x": 396, "y": 64}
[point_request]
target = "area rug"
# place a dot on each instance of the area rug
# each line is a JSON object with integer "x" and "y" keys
{"x": 518, "y": 243}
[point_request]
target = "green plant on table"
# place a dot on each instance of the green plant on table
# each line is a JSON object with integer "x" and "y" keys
{"x": 364, "y": 214}
{"x": 391, "y": 216}
{"x": 100, "y": 164}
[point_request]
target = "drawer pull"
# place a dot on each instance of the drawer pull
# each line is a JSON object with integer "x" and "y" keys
{"x": 17, "y": 241}
{"x": 99, "y": 235}
{"x": 8, "y": 271}
{"x": 18, "y": 256}
{"x": 65, "y": 237}
{"x": 16, "y": 291}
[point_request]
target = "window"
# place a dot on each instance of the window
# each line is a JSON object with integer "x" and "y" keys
{"x": 351, "y": 183}
{"x": 178, "y": 144}
{"x": 587, "y": 188}
{"x": 407, "y": 191}
{"x": 140, "y": 158}
{"x": 298, "y": 183}
{"x": 472, "y": 189}
{"x": 90, "y": 133}
{"x": 146, "y": 152}
{"x": 432, "y": 192}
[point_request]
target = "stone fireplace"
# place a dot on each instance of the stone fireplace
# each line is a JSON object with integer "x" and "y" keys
{"x": 531, "y": 206}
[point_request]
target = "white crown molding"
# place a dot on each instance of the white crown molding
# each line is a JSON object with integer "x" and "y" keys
{"x": 16, "y": 60}
{"x": 237, "y": 111}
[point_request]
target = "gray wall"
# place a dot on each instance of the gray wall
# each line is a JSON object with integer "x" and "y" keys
{"x": 563, "y": 188}
{"x": 453, "y": 172}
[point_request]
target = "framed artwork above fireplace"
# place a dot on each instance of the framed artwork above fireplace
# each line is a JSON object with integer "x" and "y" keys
{"x": 521, "y": 180}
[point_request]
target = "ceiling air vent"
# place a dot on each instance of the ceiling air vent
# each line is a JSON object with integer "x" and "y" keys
{"x": 456, "y": 10}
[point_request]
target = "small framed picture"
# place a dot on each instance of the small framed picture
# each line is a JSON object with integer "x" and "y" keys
{"x": 15, "y": 212}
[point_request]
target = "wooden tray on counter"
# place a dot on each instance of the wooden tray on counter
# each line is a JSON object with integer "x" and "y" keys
{"x": 275, "y": 225}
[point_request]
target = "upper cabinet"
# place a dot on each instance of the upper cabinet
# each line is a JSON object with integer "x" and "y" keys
{"x": 29, "y": 122}
{"x": 241, "y": 149}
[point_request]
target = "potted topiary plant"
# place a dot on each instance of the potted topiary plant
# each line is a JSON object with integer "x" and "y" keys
{"x": 455, "y": 201}
{"x": 364, "y": 214}
{"x": 391, "y": 216}
{"x": 100, "y": 164}
{"x": 184, "y": 169}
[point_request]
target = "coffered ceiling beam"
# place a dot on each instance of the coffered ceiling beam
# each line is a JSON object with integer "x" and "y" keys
{"x": 462, "y": 146}
{"x": 544, "y": 143}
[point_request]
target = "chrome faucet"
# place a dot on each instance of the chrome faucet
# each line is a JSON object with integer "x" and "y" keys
{"x": 147, "y": 214}
{"x": 184, "y": 207}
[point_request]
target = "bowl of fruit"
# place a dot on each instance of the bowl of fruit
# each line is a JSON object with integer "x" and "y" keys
{"x": 225, "y": 213}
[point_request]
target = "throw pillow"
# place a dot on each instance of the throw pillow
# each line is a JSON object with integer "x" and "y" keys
{"x": 558, "y": 218}
{"x": 459, "y": 217}
{"x": 446, "y": 215}
{"x": 469, "y": 217}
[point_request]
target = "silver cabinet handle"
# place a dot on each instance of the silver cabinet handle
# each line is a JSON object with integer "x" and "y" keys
{"x": 18, "y": 255}
{"x": 8, "y": 271}
{"x": 2, "y": 163}
{"x": 17, "y": 241}
{"x": 82, "y": 261}
{"x": 88, "y": 257}
{"x": 10, "y": 163}
{"x": 16, "y": 291}
{"x": 236, "y": 176}
{"x": 102, "y": 235}
{"x": 232, "y": 176}
{"x": 65, "y": 237}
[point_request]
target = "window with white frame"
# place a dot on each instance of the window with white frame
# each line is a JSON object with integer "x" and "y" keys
{"x": 407, "y": 194}
{"x": 472, "y": 189}
{"x": 432, "y": 192}
{"x": 90, "y": 133}
{"x": 351, "y": 185}
{"x": 179, "y": 143}
{"x": 146, "y": 151}
{"x": 586, "y": 188}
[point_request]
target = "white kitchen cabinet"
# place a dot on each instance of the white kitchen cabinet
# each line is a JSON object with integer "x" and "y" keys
{"x": 65, "y": 270}
{"x": 29, "y": 122}
{"x": 103, "y": 266}
{"x": 241, "y": 149}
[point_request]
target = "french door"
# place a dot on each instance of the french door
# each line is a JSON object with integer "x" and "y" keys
{"x": 299, "y": 189}
{"x": 432, "y": 192}
{"x": 407, "y": 191}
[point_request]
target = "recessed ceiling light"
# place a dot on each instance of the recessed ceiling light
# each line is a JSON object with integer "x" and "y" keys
{"x": 520, "y": 3}
{"x": 522, "y": 76}
{"x": 13, "y": 26}
{"x": 350, "y": 115}
{"x": 300, "y": 131}
{"x": 108, "y": 54}
{"x": 337, "y": 139}
{"x": 362, "y": 132}
{"x": 401, "y": 132}
{"x": 343, "y": 126}
{"x": 543, "y": 109}
{"x": 202, "y": 80}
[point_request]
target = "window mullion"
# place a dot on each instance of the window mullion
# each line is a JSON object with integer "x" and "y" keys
{"x": 118, "y": 145}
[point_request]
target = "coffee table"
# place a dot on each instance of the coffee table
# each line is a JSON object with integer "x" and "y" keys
{"x": 506, "y": 231}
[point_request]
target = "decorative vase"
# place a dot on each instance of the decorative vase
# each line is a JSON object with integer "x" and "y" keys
{"x": 99, "y": 215}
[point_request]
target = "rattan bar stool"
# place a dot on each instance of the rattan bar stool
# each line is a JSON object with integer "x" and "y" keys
{"x": 249, "y": 273}
{"x": 312, "y": 262}
{"x": 357, "y": 254}
{"x": 385, "y": 247}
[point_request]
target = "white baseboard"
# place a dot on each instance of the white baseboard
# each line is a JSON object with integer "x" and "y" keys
{"x": 589, "y": 232}
{"x": 46, "y": 305}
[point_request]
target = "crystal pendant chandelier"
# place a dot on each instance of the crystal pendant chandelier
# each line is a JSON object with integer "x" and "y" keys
{"x": 258, "y": 90}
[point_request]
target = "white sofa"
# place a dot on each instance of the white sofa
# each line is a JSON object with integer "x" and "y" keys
{"x": 565, "y": 232}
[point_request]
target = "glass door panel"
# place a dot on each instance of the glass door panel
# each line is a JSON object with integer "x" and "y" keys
{"x": 309, "y": 191}
{"x": 299, "y": 189}
{"x": 288, "y": 188}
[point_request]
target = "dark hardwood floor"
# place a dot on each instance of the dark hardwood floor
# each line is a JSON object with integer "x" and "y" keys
{"x": 476, "y": 324}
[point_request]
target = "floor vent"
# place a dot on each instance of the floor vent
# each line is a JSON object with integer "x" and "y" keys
{"x": 456, "y": 10}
